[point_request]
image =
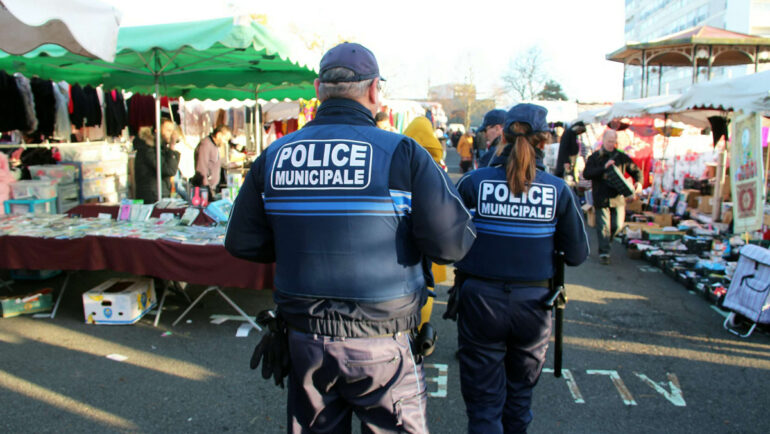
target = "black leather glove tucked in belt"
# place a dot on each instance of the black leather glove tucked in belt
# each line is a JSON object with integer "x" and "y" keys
{"x": 273, "y": 349}
{"x": 453, "y": 304}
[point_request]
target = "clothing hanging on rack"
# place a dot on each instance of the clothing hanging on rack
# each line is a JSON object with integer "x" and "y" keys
{"x": 77, "y": 106}
{"x": 116, "y": 116}
{"x": 45, "y": 105}
{"x": 141, "y": 112}
{"x": 12, "y": 114}
{"x": 93, "y": 108}
{"x": 62, "y": 126}
{"x": 29, "y": 102}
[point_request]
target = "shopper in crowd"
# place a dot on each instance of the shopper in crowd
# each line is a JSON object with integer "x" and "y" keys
{"x": 186, "y": 162}
{"x": 146, "y": 163}
{"x": 569, "y": 147}
{"x": 464, "y": 148}
{"x": 455, "y": 136}
{"x": 208, "y": 166}
{"x": 493, "y": 128}
{"x": 609, "y": 204}
{"x": 523, "y": 215}
{"x": 383, "y": 121}
{"x": 349, "y": 213}
{"x": 421, "y": 130}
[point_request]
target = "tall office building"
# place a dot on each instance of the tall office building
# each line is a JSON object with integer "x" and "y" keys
{"x": 649, "y": 20}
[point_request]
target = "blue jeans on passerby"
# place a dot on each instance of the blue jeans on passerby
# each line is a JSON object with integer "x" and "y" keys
{"x": 503, "y": 333}
{"x": 379, "y": 379}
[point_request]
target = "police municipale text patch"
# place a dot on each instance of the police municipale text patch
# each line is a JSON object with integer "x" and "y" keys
{"x": 496, "y": 201}
{"x": 322, "y": 165}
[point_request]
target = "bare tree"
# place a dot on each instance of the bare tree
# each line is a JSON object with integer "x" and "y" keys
{"x": 525, "y": 76}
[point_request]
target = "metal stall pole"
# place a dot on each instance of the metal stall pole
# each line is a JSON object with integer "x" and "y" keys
{"x": 257, "y": 122}
{"x": 157, "y": 138}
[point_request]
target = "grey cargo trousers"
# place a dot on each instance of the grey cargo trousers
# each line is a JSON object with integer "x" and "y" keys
{"x": 378, "y": 379}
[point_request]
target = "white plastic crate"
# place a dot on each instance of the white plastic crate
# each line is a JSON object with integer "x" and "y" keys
{"x": 57, "y": 172}
{"x": 34, "y": 189}
{"x": 95, "y": 151}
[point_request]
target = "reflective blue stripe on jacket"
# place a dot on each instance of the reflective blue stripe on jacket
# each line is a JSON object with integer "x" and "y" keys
{"x": 517, "y": 234}
{"x": 348, "y": 212}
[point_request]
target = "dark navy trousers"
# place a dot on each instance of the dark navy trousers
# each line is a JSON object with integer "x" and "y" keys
{"x": 378, "y": 379}
{"x": 503, "y": 333}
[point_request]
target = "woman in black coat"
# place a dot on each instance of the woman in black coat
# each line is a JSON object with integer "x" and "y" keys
{"x": 145, "y": 167}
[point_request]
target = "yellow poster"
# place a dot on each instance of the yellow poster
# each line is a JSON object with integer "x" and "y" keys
{"x": 746, "y": 173}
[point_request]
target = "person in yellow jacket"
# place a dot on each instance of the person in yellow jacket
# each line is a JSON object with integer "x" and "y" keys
{"x": 464, "y": 148}
{"x": 421, "y": 130}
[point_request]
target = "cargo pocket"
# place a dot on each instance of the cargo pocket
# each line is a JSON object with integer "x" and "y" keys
{"x": 410, "y": 413}
{"x": 380, "y": 370}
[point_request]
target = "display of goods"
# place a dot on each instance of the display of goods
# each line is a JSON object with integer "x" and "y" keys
{"x": 63, "y": 173}
{"x": 697, "y": 245}
{"x": 92, "y": 169}
{"x": 98, "y": 187}
{"x": 34, "y": 189}
{"x": 92, "y": 152}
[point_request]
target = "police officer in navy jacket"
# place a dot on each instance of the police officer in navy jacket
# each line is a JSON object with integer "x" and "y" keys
{"x": 350, "y": 213}
{"x": 522, "y": 215}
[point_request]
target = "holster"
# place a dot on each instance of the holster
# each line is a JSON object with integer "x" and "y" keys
{"x": 424, "y": 341}
{"x": 273, "y": 350}
{"x": 453, "y": 304}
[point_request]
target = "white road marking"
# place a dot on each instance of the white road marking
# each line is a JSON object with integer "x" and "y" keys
{"x": 625, "y": 394}
{"x": 571, "y": 384}
{"x": 440, "y": 379}
{"x": 674, "y": 395}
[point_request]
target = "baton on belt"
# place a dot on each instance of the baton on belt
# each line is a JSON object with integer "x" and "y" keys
{"x": 558, "y": 301}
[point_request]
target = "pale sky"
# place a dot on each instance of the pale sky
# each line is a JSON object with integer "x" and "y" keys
{"x": 418, "y": 43}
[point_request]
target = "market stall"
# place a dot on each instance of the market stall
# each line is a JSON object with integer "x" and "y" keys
{"x": 682, "y": 226}
{"x": 192, "y": 254}
{"x": 178, "y": 59}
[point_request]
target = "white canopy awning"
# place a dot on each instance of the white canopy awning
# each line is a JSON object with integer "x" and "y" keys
{"x": 85, "y": 27}
{"x": 750, "y": 93}
{"x": 654, "y": 106}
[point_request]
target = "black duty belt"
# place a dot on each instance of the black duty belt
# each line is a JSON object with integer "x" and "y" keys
{"x": 516, "y": 283}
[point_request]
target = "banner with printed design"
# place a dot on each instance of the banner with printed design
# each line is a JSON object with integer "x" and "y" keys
{"x": 746, "y": 173}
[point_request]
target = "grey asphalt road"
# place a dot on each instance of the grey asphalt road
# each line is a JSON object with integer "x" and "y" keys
{"x": 644, "y": 356}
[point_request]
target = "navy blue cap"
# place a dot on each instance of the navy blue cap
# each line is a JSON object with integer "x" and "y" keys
{"x": 354, "y": 57}
{"x": 531, "y": 114}
{"x": 493, "y": 117}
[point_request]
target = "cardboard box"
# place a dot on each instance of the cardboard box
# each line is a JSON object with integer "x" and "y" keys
{"x": 705, "y": 204}
{"x": 664, "y": 220}
{"x": 727, "y": 217}
{"x": 662, "y": 235}
{"x": 691, "y": 196}
{"x": 119, "y": 301}
{"x": 641, "y": 225}
{"x": 634, "y": 206}
{"x": 40, "y": 301}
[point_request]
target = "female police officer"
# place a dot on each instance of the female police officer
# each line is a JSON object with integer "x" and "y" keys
{"x": 522, "y": 216}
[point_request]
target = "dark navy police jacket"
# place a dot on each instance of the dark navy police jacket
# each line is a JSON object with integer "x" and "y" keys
{"x": 349, "y": 213}
{"x": 517, "y": 235}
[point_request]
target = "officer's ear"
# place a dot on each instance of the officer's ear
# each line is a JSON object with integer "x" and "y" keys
{"x": 374, "y": 92}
